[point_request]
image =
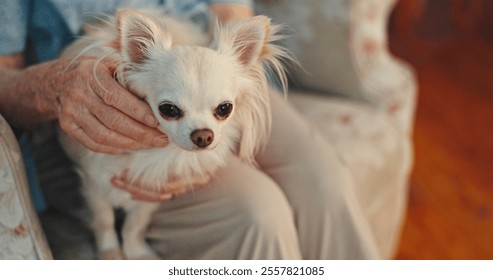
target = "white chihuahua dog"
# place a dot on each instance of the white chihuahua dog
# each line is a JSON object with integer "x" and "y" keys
{"x": 211, "y": 102}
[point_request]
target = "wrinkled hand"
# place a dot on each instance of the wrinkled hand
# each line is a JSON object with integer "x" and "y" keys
{"x": 100, "y": 113}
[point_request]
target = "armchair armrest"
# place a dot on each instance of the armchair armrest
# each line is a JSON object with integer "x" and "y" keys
{"x": 21, "y": 236}
{"x": 342, "y": 45}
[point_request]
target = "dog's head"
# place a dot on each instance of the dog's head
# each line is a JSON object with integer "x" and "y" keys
{"x": 202, "y": 96}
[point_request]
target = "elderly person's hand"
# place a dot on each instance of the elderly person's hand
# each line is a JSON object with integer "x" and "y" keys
{"x": 97, "y": 112}
{"x": 140, "y": 191}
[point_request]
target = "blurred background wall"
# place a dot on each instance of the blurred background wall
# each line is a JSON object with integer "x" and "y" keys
{"x": 450, "y": 45}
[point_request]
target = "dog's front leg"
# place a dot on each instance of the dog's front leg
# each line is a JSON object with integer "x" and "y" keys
{"x": 103, "y": 226}
{"x": 134, "y": 227}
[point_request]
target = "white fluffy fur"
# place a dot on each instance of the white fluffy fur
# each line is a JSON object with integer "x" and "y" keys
{"x": 157, "y": 62}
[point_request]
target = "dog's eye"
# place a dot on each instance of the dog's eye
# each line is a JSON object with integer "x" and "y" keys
{"x": 170, "y": 111}
{"x": 224, "y": 110}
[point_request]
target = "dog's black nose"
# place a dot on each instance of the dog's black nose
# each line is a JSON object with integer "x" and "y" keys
{"x": 202, "y": 137}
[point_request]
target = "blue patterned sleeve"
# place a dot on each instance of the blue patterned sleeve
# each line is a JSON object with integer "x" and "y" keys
{"x": 13, "y": 26}
{"x": 241, "y": 2}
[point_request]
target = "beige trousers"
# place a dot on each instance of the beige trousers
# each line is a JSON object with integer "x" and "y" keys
{"x": 299, "y": 205}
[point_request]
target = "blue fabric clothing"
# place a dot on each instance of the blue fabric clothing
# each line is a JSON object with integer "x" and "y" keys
{"x": 32, "y": 177}
{"x": 42, "y": 28}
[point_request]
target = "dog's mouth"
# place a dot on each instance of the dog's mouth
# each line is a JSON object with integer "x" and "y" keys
{"x": 204, "y": 149}
{"x": 194, "y": 148}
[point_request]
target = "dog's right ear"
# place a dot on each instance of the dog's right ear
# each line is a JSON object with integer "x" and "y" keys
{"x": 137, "y": 33}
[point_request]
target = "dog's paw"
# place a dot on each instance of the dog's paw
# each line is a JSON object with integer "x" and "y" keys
{"x": 141, "y": 252}
{"x": 151, "y": 256}
{"x": 112, "y": 254}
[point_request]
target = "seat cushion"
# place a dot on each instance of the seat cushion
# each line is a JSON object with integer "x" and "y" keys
{"x": 21, "y": 236}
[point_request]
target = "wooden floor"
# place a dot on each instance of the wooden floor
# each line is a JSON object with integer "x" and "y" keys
{"x": 450, "y": 214}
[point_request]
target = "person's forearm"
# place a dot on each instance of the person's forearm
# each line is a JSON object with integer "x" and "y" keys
{"x": 90, "y": 106}
{"x": 24, "y": 102}
{"x": 230, "y": 12}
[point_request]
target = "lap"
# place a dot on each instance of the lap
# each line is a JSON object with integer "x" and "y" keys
{"x": 300, "y": 160}
{"x": 217, "y": 220}
{"x": 318, "y": 186}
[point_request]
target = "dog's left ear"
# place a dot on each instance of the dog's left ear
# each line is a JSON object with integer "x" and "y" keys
{"x": 247, "y": 39}
{"x": 252, "y": 42}
{"x": 137, "y": 33}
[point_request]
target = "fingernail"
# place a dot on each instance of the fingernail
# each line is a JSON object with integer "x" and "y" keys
{"x": 161, "y": 141}
{"x": 151, "y": 120}
{"x": 168, "y": 196}
{"x": 117, "y": 182}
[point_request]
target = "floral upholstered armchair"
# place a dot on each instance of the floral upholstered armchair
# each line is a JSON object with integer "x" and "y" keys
{"x": 360, "y": 97}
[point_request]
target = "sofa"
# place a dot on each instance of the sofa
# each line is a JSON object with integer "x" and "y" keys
{"x": 361, "y": 98}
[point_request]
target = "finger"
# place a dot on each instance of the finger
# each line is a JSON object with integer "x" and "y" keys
{"x": 153, "y": 197}
{"x": 113, "y": 94}
{"x": 104, "y": 136}
{"x": 123, "y": 124}
{"x": 77, "y": 133}
{"x": 139, "y": 193}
